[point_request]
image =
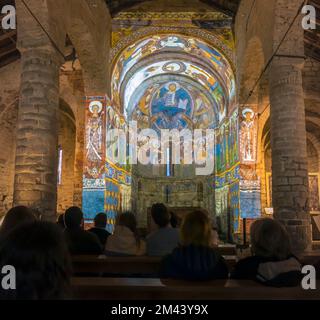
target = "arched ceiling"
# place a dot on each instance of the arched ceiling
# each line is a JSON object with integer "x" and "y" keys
{"x": 173, "y": 76}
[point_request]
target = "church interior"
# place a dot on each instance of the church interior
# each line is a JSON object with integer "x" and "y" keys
{"x": 246, "y": 70}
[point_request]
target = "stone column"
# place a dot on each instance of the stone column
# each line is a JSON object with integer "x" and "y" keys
{"x": 289, "y": 150}
{"x": 37, "y": 131}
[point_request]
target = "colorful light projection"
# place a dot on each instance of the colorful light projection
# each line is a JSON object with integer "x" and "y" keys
{"x": 94, "y": 174}
{"x": 227, "y": 178}
{"x": 248, "y": 136}
{"x": 218, "y": 67}
{"x": 188, "y": 69}
{"x": 250, "y": 198}
{"x": 250, "y": 185}
{"x": 102, "y": 180}
{"x": 234, "y": 192}
{"x": 227, "y": 144}
{"x": 173, "y": 105}
{"x": 196, "y": 91}
{"x": 118, "y": 177}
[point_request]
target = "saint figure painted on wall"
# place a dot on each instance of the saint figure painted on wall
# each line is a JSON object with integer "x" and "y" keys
{"x": 94, "y": 132}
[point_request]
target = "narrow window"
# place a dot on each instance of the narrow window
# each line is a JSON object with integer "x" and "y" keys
{"x": 60, "y": 155}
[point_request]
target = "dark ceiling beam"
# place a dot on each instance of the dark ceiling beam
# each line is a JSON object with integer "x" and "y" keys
{"x": 116, "y": 6}
{"x": 9, "y": 59}
{"x": 8, "y": 50}
{"x": 229, "y": 7}
{"x": 8, "y": 35}
{"x": 315, "y": 3}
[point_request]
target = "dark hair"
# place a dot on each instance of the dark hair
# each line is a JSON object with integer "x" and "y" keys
{"x": 15, "y": 217}
{"x": 39, "y": 254}
{"x": 160, "y": 214}
{"x": 73, "y": 218}
{"x": 173, "y": 220}
{"x": 100, "y": 220}
{"x": 128, "y": 219}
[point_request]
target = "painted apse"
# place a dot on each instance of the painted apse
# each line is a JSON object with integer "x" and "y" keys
{"x": 165, "y": 79}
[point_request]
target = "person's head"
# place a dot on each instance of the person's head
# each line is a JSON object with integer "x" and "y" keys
{"x": 270, "y": 239}
{"x": 15, "y": 217}
{"x": 73, "y": 218}
{"x": 100, "y": 220}
{"x": 196, "y": 229}
{"x": 160, "y": 215}
{"x": 127, "y": 219}
{"x": 38, "y": 252}
{"x": 172, "y": 87}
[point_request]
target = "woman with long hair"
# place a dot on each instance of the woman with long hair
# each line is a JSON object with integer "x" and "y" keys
{"x": 195, "y": 259}
{"x": 125, "y": 240}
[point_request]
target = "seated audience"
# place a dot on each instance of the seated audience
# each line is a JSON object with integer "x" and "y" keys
{"x": 125, "y": 240}
{"x": 78, "y": 240}
{"x": 60, "y": 221}
{"x": 317, "y": 267}
{"x": 15, "y": 217}
{"x": 272, "y": 262}
{"x": 99, "y": 229}
{"x": 165, "y": 238}
{"x": 173, "y": 220}
{"x": 41, "y": 259}
{"x": 195, "y": 259}
{"x": 214, "y": 235}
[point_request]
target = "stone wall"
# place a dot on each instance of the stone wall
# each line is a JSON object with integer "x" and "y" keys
{"x": 182, "y": 193}
{"x": 9, "y": 100}
{"x": 9, "y": 104}
{"x": 67, "y": 136}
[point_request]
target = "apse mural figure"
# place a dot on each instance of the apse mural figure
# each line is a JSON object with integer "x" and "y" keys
{"x": 94, "y": 132}
{"x": 248, "y": 136}
{"x": 172, "y": 99}
{"x": 169, "y": 106}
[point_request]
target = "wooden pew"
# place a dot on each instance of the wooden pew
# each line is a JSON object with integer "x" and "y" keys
{"x": 123, "y": 266}
{"x": 227, "y": 250}
{"x": 116, "y": 265}
{"x": 310, "y": 258}
{"x": 156, "y": 289}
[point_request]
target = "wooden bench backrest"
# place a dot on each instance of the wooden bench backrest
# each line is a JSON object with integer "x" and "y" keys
{"x": 135, "y": 289}
{"x": 123, "y": 265}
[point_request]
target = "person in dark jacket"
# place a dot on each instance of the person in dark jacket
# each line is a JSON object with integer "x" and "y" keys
{"x": 195, "y": 259}
{"x": 79, "y": 241}
{"x": 38, "y": 252}
{"x": 14, "y": 218}
{"x": 99, "y": 229}
{"x": 272, "y": 262}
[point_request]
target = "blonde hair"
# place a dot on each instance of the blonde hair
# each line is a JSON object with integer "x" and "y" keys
{"x": 196, "y": 229}
{"x": 270, "y": 239}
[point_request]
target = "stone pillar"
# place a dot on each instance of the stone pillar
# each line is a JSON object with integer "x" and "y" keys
{"x": 289, "y": 150}
{"x": 37, "y": 131}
